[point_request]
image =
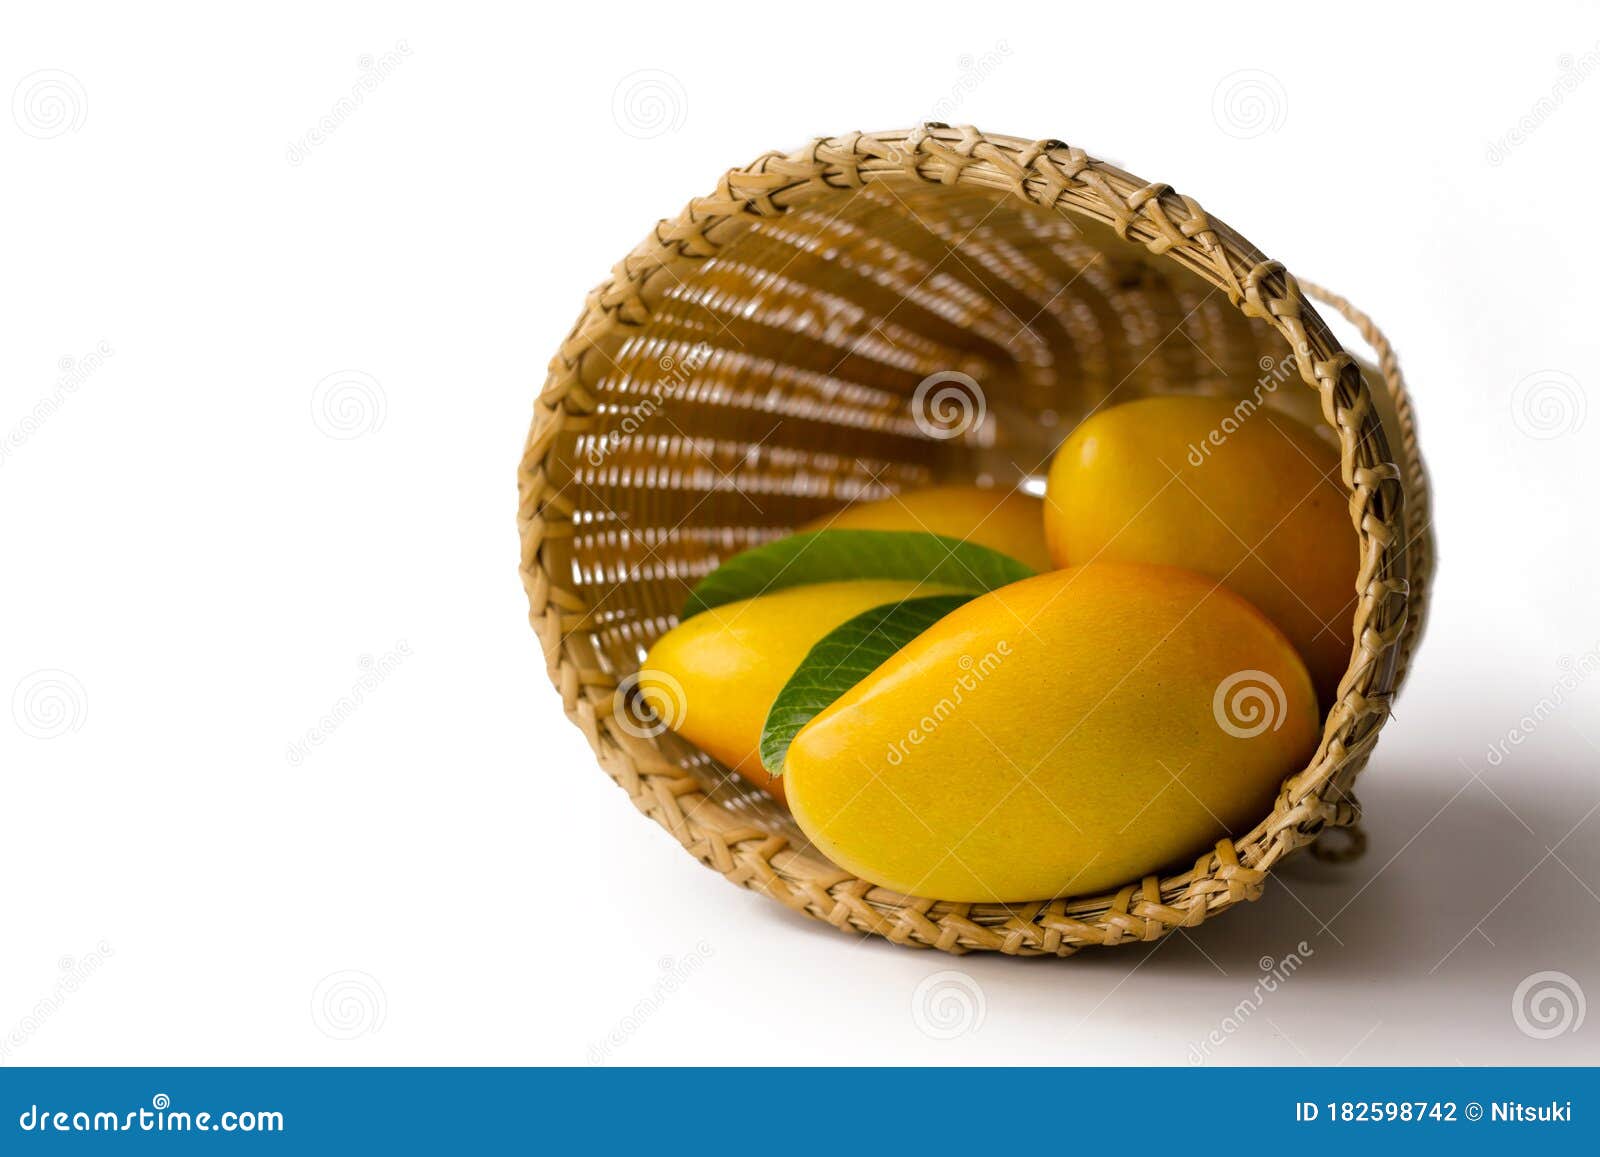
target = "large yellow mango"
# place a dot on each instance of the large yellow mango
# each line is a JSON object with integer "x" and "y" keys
{"x": 713, "y": 678}
{"x": 1011, "y": 522}
{"x": 1252, "y": 499}
{"x": 1062, "y": 735}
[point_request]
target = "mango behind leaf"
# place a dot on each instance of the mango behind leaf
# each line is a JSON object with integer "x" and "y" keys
{"x": 1248, "y": 497}
{"x": 713, "y": 678}
{"x": 1058, "y": 736}
{"x": 1011, "y": 522}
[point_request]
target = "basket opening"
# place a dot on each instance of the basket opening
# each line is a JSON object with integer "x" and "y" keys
{"x": 779, "y": 379}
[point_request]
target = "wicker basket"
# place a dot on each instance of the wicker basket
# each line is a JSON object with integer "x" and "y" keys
{"x": 752, "y": 365}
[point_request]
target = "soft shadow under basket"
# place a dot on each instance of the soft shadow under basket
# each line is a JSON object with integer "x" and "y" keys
{"x": 751, "y": 366}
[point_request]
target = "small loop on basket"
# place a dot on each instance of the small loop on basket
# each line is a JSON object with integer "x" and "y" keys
{"x": 1349, "y": 845}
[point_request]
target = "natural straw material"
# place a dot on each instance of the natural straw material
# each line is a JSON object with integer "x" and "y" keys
{"x": 753, "y": 364}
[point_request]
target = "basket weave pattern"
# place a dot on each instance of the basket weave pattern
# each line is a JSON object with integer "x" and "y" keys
{"x": 749, "y": 365}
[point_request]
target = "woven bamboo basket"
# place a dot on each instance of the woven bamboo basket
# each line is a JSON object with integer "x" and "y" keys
{"x": 753, "y": 364}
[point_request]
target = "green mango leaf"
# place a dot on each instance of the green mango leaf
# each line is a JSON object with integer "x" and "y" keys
{"x": 824, "y": 556}
{"x": 841, "y": 659}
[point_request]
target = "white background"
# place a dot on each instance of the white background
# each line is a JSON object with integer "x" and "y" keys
{"x": 198, "y": 567}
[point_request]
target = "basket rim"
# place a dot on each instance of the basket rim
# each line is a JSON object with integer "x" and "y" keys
{"x": 1053, "y": 175}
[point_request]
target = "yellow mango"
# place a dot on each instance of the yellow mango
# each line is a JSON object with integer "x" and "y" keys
{"x": 1011, "y": 522}
{"x": 1059, "y": 736}
{"x": 713, "y": 678}
{"x": 1253, "y": 499}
